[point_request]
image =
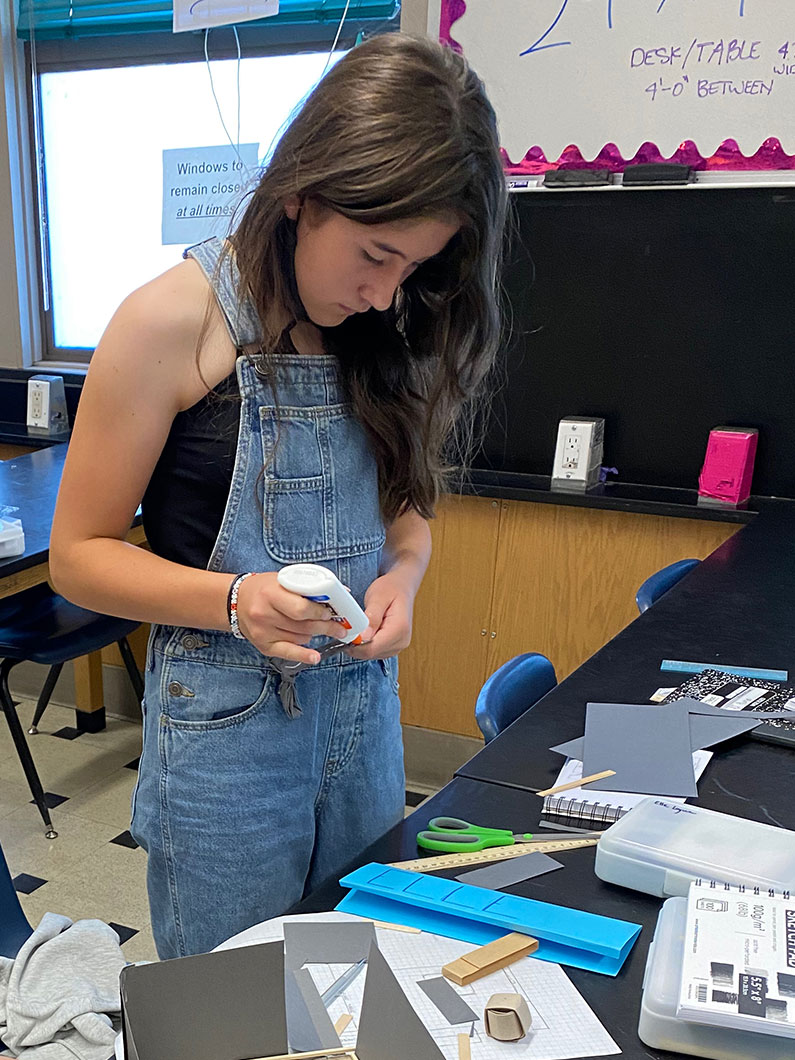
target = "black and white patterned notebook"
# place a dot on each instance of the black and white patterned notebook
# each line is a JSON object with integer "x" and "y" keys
{"x": 735, "y": 693}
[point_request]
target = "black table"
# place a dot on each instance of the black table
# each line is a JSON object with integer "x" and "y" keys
{"x": 737, "y": 607}
{"x": 30, "y": 483}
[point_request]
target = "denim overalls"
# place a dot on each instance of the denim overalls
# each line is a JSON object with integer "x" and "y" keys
{"x": 241, "y": 808}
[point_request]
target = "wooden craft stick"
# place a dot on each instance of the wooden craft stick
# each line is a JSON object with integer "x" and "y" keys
{"x": 316, "y": 1054}
{"x": 464, "y": 1047}
{"x": 342, "y": 1022}
{"x": 489, "y": 958}
{"x": 398, "y": 927}
{"x": 391, "y": 927}
{"x": 578, "y": 783}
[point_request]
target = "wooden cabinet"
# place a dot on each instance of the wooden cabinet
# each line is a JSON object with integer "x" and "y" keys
{"x": 513, "y": 576}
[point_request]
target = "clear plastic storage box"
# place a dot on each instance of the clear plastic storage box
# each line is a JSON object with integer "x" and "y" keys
{"x": 659, "y": 847}
{"x": 12, "y": 537}
{"x": 659, "y": 1026}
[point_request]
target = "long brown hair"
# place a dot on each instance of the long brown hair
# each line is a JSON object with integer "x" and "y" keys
{"x": 400, "y": 128}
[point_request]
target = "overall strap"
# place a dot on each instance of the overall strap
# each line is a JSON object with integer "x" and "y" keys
{"x": 218, "y": 264}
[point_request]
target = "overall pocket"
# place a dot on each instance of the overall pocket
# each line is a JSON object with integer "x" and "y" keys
{"x": 320, "y": 485}
{"x": 212, "y": 693}
{"x": 390, "y": 668}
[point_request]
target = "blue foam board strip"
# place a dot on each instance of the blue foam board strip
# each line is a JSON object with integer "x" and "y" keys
{"x": 473, "y": 914}
{"x": 452, "y": 927}
{"x": 676, "y": 666}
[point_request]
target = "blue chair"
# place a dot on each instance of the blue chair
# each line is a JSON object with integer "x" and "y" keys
{"x": 659, "y": 583}
{"x": 38, "y": 625}
{"x": 14, "y": 927}
{"x": 511, "y": 690}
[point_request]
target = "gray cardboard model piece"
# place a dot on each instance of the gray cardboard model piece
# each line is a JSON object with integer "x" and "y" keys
{"x": 335, "y": 942}
{"x": 648, "y": 748}
{"x": 448, "y": 1001}
{"x": 309, "y": 1025}
{"x": 389, "y": 1028}
{"x": 227, "y": 1004}
{"x": 230, "y": 1005}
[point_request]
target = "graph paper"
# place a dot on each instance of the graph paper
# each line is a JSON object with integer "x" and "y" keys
{"x": 563, "y": 1026}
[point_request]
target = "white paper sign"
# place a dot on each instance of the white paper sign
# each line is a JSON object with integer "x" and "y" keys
{"x": 201, "y": 188}
{"x": 203, "y": 14}
{"x": 594, "y": 72}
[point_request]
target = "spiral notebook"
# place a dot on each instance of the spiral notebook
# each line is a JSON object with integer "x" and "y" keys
{"x": 591, "y": 808}
{"x": 739, "y": 959}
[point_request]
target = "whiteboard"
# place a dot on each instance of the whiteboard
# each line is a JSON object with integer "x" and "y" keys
{"x": 591, "y": 73}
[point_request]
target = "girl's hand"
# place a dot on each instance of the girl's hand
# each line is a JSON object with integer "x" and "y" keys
{"x": 389, "y": 604}
{"x": 278, "y": 622}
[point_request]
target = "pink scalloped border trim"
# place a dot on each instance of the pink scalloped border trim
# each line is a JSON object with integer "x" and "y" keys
{"x": 729, "y": 157}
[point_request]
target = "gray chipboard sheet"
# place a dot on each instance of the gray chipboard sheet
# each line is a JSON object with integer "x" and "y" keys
{"x": 506, "y": 873}
{"x": 332, "y": 943}
{"x": 197, "y": 1006}
{"x": 389, "y": 1028}
{"x": 648, "y": 749}
{"x": 309, "y": 1026}
{"x": 706, "y": 730}
{"x": 760, "y": 715}
{"x": 451, "y": 1005}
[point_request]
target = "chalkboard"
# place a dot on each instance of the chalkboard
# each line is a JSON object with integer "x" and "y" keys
{"x": 708, "y": 82}
{"x": 667, "y": 312}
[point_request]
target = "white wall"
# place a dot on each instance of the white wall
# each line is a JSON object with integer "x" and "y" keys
{"x": 414, "y": 15}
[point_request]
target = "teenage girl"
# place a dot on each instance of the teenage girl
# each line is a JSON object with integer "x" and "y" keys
{"x": 288, "y": 395}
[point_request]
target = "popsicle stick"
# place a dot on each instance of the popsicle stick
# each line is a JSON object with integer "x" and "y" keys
{"x": 316, "y": 1054}
{"x": 398, "y": 927}
{"x": 578, "y": 783}
{"x": 390, "y": 927}
{"x": 342, "y": 1022}
{"x": 464, "y": 1047}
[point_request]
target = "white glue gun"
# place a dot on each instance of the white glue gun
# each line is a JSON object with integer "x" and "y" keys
{"x": 320, "y": 584}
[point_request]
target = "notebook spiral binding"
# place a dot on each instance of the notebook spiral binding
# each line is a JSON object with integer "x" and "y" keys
{"x": 581, "y": 811}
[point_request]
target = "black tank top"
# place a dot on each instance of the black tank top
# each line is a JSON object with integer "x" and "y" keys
{"x": 184, "y": 503}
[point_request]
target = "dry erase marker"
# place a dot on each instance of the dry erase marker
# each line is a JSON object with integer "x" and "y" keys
{"x": 320, "y": 584}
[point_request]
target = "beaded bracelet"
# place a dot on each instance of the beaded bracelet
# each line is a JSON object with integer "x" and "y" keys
{"x": 231, "y": 604}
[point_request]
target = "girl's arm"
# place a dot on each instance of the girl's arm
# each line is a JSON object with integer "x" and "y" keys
{"x": 389, "y": 601}
{"x": 142, "y": 373}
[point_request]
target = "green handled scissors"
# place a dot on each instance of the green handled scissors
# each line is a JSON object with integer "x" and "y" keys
{"x": 450, "y": 834}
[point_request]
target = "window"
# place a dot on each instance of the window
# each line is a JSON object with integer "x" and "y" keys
{"x": 106, "y": 112}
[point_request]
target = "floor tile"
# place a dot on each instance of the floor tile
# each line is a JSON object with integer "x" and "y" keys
{"x": 124, "y": 933}
{"x": 28, "y": 850}
{"x": 124, "y": 839}
{"x": 25, "y": 884}
{"x": 112, "y": 888}
{"x": 52, "y": 799}
{"x": 68, "y": 732}
{"x": 141, "y": 947}
{"x": 64, "y": 766}
{"x": 107, "y": 801}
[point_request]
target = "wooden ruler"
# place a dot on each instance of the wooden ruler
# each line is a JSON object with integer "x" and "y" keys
{"x": 476, "y": 857}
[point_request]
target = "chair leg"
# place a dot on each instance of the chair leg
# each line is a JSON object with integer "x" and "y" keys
{"x": 44, "y": 696}
{"x": 21, "y": 744}
{"x": 132, "y": 668}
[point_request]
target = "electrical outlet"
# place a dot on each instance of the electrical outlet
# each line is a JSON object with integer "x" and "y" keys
{"x": 578, "y": 453}
{"x": 46, "y": 411}
{"x": 36, "y": 403}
